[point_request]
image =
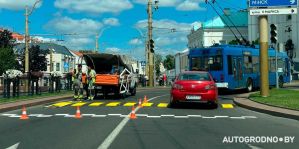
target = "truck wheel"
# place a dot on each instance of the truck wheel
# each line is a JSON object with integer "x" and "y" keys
{"x": 280, "y": 82}
{"x": 133, "y": 91}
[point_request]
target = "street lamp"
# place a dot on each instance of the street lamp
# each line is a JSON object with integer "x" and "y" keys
{"x": 27, "y": 38}
{"x": 98, "y": 36}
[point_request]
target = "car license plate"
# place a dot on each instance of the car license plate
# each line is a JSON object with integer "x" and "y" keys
{"x": 191, "y": 97}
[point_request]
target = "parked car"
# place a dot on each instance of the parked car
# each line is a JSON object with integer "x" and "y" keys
{"x": 194, "y": 86}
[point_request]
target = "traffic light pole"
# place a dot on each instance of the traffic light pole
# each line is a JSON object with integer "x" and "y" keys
{"x": 264, "y": 68}
{"x": 150, "y": 53}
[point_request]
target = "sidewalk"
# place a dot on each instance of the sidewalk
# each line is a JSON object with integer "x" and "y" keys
{"x": 272, "y": 110}
{"x": 28, "y": 103}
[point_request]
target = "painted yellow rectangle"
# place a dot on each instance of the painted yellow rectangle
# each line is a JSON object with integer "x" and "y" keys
{"x": 129, "y": 104}
{"x": 227, "y": 106}
{"x": 79, "y": 104}
{"x": 96, "y": 104}
{"x": 62, "y": 104}
{"x": 113, "y": 104}
{"x": 148, "y": 104}
{"x": 162, "y": 105}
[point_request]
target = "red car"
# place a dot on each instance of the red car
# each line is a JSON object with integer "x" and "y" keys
{"x": 194, "y": 86}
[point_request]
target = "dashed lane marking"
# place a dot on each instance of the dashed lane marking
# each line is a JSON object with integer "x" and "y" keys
{"x": 148, "y": 104}
{"x": 62, "y": 104}
{"x": 162, "y": 105}
{"x": 129, "y": 104}
{"x": 96, "y": 104}
{"x": 113, "y": 104}
{"x": 79, "y": 104}
{"x": 138, "y": 115}
{"x": 227, "y": 106}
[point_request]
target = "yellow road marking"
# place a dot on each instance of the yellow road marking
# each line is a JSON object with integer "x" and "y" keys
{"x": 112, "y": 104}
{"x": 162, "y": 105}
{"x": 62, "y": 104}
{"x": 79, "y": 104}
{"x": 129, "y": 104}
{"x": 148, "y": 104}
{"x": 96, "y": 104}
{"x": 227, "y": 106}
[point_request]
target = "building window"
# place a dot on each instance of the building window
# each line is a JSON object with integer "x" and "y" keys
{"x": 289, "y": 17}
{"x": 57, "y": 66}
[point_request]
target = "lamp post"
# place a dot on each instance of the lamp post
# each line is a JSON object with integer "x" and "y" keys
{"x": 98, "y": 35}
{"x": 27, "y": 38}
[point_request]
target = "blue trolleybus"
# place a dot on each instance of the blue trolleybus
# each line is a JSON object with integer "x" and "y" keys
{"x": 237, "y": 67}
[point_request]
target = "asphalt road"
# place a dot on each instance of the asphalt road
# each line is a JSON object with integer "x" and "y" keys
{"x": 185, "y": 126}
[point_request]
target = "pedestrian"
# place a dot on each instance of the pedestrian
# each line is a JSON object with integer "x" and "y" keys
{"x": 78, "y": 85}
{"x": 164, "y": 79}
{"x": 91, "y": 76}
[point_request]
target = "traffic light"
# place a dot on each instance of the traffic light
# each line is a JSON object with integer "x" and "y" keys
{"x": 273, "y": 33}
{"x": 151, "y": 45}
{"x": 289, "y": 45}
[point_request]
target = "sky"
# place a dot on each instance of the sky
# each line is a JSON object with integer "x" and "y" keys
{"x": 121, "y": 24}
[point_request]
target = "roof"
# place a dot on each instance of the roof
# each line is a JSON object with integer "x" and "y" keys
{"x": 45, "y": 46}
{"x": 239, "y": 19}
{"x": 77, "y": 53}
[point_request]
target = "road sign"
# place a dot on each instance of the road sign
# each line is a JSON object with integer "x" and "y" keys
{"x": 254, "y": 12}
{"x": 272, "y": 3}
{"x": 66, "y": 65}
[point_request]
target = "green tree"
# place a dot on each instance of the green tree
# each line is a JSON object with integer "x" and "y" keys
{"x": 7, "y": 56}
{"x": 169, "y": 62}
{"x": 37, "y": 59}
{"x": 158, "y": 60}
{"x": 234, "y": 42}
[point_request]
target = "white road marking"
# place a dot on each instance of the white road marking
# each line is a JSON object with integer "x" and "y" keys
{"x": 253, "y": 147}
{"x": 181, "y": 117}
{"x": 194, "y": 115}
{"x": 208, "y": 117}
{"x": 153, "y": 116}
{"x": 107, "y": 142}
{"x": 249, "y": 116}
{"x": 167, "y": 115}
{"x": 221, "y": 116}
{"x": 8, "y": 114}
{"x": 144, "y": 115}
{"x": 88, "y": 115}
{"x": 61, "y": 114}
{"x": 44, "y": 115}
{"x": 14, "y": 146}
{"x": 237, "y": 117}
{"x": 114, "y": 114}
{"x": 99, "y": 116}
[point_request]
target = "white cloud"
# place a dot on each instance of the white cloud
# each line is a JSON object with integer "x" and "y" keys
{"x": 94, "y": 6}
{"x": 43, "y": 39}
{"x": 135, "y": 41}
{"x": 181, "y": 5}
{"x": 69, "y": 25}
{"x": 189, "y": 5}
{"x": 17, "y": 4}
{"x": 112, "y": 50}
{"x": 111, "y": 21}
{"x": 165, "y": 24}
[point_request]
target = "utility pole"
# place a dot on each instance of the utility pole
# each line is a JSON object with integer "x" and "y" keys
{"x": 97, "y": 43}
{"x": 150, "y": 52}
{"x": 27, "y": 39}
{"x": 264, "y": 68}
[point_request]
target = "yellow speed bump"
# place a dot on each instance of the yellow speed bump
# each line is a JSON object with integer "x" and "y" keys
{"x": 148, "y": 104}
{"x": 113, "y": 104}
{"x": 162, "y": 105}
{"x": 227, "y": 106}
{"x": 62, "y": 104}
{"x": 96, "y": 104}
{"x": 129, "y": 104}
{"x": 79, "y": 104}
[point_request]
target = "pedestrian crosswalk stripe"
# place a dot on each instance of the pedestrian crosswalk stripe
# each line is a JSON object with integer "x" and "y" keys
{"x": 113, "y": 104}
{"x": 148, "y": 104}
{"x": 96, "y": 104}
{"x": 79, "y": 104}
{"x": 129, "y": 104}
{"x": 62, "y": 104}
{"x": 162, "y": 105}
{"x": 227, "y": 106}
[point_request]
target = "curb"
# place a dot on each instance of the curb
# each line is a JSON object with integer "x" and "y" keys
{"x": 273, "y": 105}
{"x": 30, "y": 103}
{"x": 271, "y": 112}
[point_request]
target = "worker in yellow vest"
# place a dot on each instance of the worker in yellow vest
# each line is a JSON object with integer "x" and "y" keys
{"x": 78, "y": 85}
{"x": 91, "y": 78}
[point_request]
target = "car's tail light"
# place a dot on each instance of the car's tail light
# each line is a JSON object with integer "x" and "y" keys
{"x": 177, "y": 86}
{"x": 222, "y": 78}
{"x": 210, "y": 87}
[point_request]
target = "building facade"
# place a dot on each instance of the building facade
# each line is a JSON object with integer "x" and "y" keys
{"x": 220, "y": 30}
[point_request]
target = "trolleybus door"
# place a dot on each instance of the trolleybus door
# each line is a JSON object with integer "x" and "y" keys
{"x": 237, "y": 71}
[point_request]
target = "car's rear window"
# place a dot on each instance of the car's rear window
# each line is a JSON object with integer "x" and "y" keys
{"x": 195, "y": 76}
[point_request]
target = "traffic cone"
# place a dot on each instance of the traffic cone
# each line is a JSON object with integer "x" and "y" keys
{"x": 133, "y": 115}
{"x": 24, "y": 114}
{"x": 145, "y": 99}
{"x": 78, "y": 113}
{"x": 140, "y": 103}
